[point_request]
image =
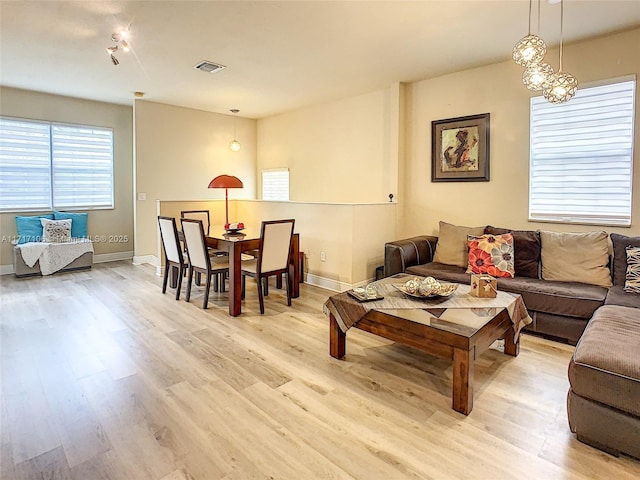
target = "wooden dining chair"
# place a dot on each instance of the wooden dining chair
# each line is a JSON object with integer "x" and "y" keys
{"x": 172, "y": 252}
{"x": 199, "y": 259}
{"x": 274, "y": 257}
{"x": 205, "y": 218}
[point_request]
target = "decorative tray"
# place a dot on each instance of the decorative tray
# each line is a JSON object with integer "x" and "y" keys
{"x": 446, "y": 290}
{"x": 362, "y": 297}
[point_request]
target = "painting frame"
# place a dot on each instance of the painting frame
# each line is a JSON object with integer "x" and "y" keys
{"x": 460, "y": 149}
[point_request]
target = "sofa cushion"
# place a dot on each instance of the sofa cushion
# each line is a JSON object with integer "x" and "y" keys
{"x": 492, "y": 254}
{"x": 78, "y": 225}
{"x": 571, "y": 299}
{"x": 576, "y": 257}
{"x": 448, "y": 273}
{"x": 526, "y": 246}
{"x": 606, "y": 363}
{"x": 29, "y": 229}
{"x": 452, "y": 244}
{"x": 632, "y": 278}
{"x": 620, "y": 243}
{"x": 617, "y": 296}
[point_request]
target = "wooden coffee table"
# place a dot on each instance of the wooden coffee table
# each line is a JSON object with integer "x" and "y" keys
{"x": 461, "y": 334}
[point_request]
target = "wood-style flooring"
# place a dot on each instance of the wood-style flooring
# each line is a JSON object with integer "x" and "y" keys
{"x": 103, "y": 377}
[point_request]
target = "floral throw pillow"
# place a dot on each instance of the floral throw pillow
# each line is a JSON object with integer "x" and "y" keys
{"x": 491, "y": 254}
{"x": 632, "y": 278}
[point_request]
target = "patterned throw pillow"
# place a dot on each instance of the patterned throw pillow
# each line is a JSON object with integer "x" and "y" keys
{"x": 632, "y": 280}
{"x": 56, "y": 231}
{"x": 491, "y": 254}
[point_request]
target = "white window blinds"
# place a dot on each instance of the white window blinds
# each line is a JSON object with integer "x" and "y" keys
{"x": 82, "y": 159}
{"x": 25, "y": 165}
{"x": 581, "y": 156}
{"x": 45, "y": 166}
{"x": 275, "y": 184}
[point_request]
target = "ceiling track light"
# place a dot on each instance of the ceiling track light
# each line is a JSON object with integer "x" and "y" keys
{"x": 119, "y": 38}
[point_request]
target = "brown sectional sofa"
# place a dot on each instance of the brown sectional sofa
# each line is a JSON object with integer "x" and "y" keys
{"x": 559, "y": 309}
{"x": 603, "y": 402}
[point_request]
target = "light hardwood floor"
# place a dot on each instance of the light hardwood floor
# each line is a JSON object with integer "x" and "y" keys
{"x": 103, "y": 377}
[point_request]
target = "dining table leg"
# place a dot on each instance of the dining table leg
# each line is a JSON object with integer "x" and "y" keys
{"x": 235, "y": 280}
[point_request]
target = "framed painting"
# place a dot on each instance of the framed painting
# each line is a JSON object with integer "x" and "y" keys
{"x": 460, "y": 149}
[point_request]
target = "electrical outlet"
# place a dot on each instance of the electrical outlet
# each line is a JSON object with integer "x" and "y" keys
{"x": 323, "y": 257}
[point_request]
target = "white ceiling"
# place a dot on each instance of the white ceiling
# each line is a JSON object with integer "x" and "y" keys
{"x": 280, "y": 55}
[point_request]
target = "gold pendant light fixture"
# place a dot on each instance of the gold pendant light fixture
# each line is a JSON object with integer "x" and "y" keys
{"x": 529, "y": 52}
{"x": 235, "y": 144}
{"x": 530, "y": 49}
{"x": 562, "y": 86}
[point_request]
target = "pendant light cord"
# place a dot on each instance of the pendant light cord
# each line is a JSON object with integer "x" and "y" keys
{"x": 530, "y": 2}
{"x": 561, "y": 22}
{"x": 538, "y": 17}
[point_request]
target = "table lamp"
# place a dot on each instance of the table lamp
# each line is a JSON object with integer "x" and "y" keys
{"x": 226, "y": 182}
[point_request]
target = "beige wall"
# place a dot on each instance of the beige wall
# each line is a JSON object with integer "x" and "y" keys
{"x": 498, "y": 89}
{"x": 340, "y": 151}
{"x": 178, "y": 152}
{"x": 113, "y": 223}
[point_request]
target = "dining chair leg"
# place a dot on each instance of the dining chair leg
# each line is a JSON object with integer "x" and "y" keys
{"x": 166, "y": 277}
{"x": 279, "y": 281}
{"x": 206, "y": 291}
{"x": 179, "y": 286}
{"x": 288, "y": 280}
{"x": 215, "y": 282}
{"x": 265, "y": 281}
{"x": 223, "y": 276}
{"x": 189, "y": 280}
{"x": 260, "y": 296}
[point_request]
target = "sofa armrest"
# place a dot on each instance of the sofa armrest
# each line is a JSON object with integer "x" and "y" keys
{"x": 402, "y": 254}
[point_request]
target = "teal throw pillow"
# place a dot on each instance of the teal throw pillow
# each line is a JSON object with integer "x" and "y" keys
{"x": 78, "y": 222}
{"x": 29, "y": 229}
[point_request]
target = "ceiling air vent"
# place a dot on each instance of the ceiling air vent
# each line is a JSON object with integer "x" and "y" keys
{"x": 209, "y": 67}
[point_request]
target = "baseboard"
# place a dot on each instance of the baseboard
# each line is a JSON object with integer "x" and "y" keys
{"x": 327, "y": 283}
{"x": 6, "y": 269}
{"x": 150, "y": 259}
{"x": 112, "y": 257}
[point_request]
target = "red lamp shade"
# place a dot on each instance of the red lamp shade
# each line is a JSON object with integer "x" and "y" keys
{"x": 225, "y": 181}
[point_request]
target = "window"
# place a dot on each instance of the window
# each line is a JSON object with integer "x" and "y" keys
{"x": 46, "y": 166}
{"x": 275, "y": 184}
{"x": 581, "y": 156}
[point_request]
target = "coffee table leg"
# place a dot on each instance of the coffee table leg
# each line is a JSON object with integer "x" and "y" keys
{"x": 337, "y": 339}
{"x": 463, "y": 380}
{"x": 510, "y": 347}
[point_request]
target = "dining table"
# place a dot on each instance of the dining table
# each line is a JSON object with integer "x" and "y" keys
{"x": 243, "y": 242}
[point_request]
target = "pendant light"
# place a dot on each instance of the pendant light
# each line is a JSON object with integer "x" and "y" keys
{"x": 562, "y": 86}
{"x": 536, "y": 76}
{"x": 530, "y": 49}
{"x": 235, "y": 144}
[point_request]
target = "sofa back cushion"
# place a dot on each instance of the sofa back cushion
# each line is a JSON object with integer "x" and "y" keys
{"x": 29, "y": 229}
{"x": 620, "y": 244}
{"x": 452, "y": 244}
{"x": 526, "y": 250}
{"x": 78, "y": 225}
{"x": 576, "y": 257}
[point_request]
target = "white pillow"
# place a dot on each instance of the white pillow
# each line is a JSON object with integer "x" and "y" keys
{"x": 56, "y": 231}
